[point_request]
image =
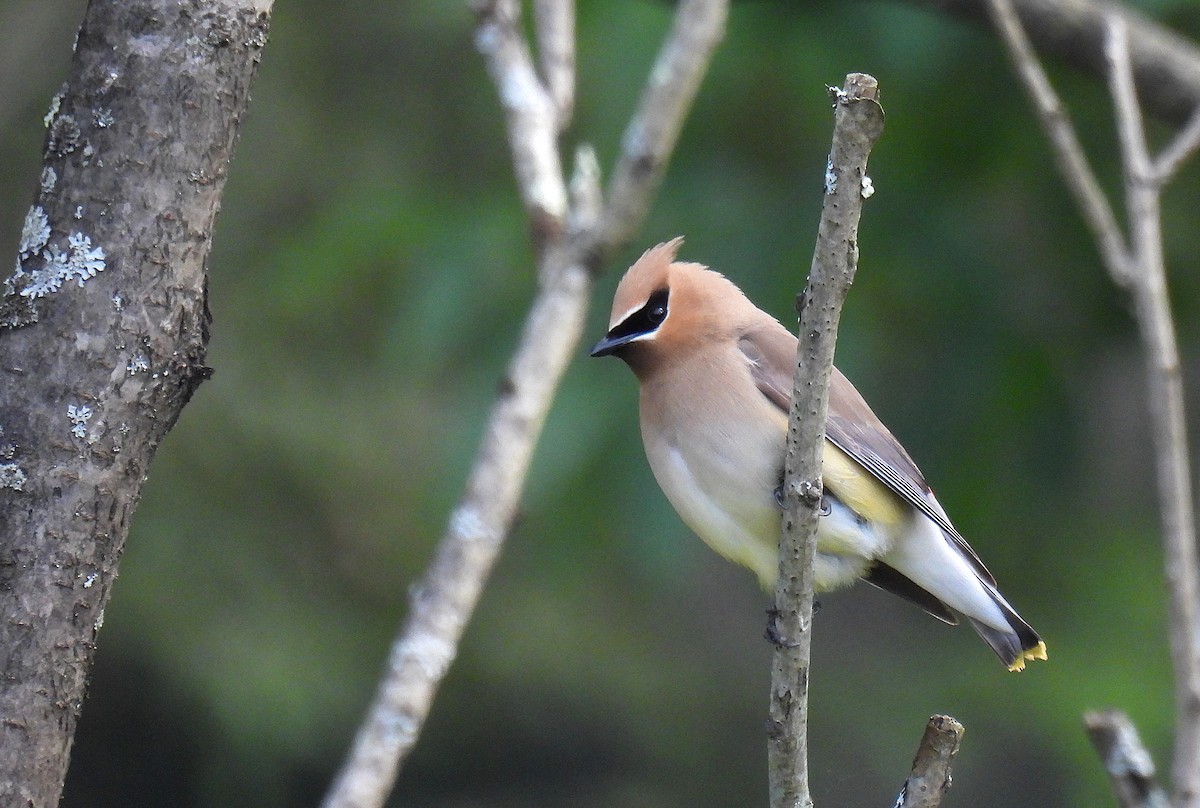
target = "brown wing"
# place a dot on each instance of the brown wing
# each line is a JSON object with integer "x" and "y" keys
{"x": 850, "y": 425}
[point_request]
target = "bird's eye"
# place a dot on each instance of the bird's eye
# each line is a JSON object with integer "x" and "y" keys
{"x": 656, "y": 308}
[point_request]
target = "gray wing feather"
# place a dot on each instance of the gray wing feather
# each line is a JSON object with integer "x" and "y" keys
{"x": 770, "y": 351}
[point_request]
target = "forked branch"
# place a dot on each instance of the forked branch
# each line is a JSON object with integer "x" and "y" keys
{"x": 573, "y": 231}
{"x": 1135, "y": 262}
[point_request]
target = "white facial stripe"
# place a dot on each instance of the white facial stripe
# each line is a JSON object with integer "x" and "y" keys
{"x": 616, "y": 321}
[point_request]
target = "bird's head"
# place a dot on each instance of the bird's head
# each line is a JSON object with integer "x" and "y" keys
{"x": 663, "y": 308}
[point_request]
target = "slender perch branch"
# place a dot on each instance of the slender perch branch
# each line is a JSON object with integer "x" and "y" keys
{"x": 858, "y": 122}
{"x": 1136, "y": 264}
{"x": 572, "y": 230}
{"x": 930, "y": 777}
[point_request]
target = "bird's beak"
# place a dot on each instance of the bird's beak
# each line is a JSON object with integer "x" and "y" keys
{"x": 611, "y": 344}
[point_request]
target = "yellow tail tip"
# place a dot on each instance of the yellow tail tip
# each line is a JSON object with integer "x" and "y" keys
{"x": 1037, "y": 652}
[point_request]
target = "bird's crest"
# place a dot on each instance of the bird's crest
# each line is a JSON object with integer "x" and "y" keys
{"x": 647, "y": 275}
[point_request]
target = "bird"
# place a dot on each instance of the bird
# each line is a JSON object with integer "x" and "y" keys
{"x": 715, "y": 379}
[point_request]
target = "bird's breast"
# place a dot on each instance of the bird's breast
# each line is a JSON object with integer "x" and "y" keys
{"x": 717, "y": 453}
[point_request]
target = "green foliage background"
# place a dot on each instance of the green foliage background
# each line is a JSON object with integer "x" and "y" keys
{"x": 369, "y": 279}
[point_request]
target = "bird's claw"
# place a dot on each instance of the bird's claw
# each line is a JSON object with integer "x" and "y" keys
{"x": 824, "y": 510}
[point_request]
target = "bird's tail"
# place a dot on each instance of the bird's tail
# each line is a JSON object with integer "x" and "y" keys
{"x": 1016, "y": 644}
{"x": 944, "y": 567}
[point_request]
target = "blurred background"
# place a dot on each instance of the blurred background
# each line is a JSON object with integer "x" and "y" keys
{"x": 368, "y": 282}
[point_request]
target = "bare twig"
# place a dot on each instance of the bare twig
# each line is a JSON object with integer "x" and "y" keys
{"x": 572, "y": 229}
{"x": 930, "y": 777}
{"x": 1178, "y": 150}
{"x": 442, "y": 603}
{"x": 1139, "y": 268}
{"x": 1167, "y": 417}
{"x": 1127, "y": 762}
{"x": 1072, "y": 161}
{"x": 533, "y": 123}
{"x": 654, "y": 128}
{"x": 1166, "y": 63}
{"x": 858, "y": 122}
{"x": 555, "y": 31}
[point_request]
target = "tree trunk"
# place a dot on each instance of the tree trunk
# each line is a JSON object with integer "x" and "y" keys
{"x": 103, "y": 329}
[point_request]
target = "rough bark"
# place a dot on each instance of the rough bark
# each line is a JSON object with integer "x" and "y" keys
{"x": 103, "y": 329}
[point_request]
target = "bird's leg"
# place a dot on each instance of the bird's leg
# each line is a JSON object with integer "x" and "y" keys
{"x": 771, "y": 632}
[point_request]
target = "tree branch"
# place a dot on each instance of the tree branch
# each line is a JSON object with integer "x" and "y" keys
{"x": 1140, "y": 269}
{"x": 1127, "y": 762}
{"x": 555, "y": 31}
{"x": 532, "y": 116}
{"x": 571, "y": 237}
{"x": 1168, "y": 422}
{"x": 1178, "y": 150}
{"x": 858, "y": 122}
{"x": 1072, "y": 161}
{"x": 443, "y": 601}
{"x": 655, "y": 125}
{"x": 930, "y": 777}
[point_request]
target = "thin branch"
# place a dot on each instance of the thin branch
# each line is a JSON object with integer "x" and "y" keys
{"x": 1072, "y": 162}
{"x": 443, "y": 601}
{"x": 1135, "y": 156}
{"x": 1166, "y": 63}
{"x": 858, "y": 122}
{"x": 1127, "y": 762}
{"x": 1167, "y": 417}
{"x": 555, "y": 30}
{"x": 571, "y": 230}
{"x": 930, "y": 777}
{"x": 1177, "y": 152}
{"x": 655, "y": 126}
{"x": 1141, "y": 270}
{"x": 533, "y": 122}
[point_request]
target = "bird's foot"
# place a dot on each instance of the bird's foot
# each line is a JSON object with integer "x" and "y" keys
{"x": 824, "y": 510}
{"x": 771, "y": 632}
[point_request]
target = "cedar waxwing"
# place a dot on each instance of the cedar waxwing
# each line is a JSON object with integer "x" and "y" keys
{"x": 716, "y": 385}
